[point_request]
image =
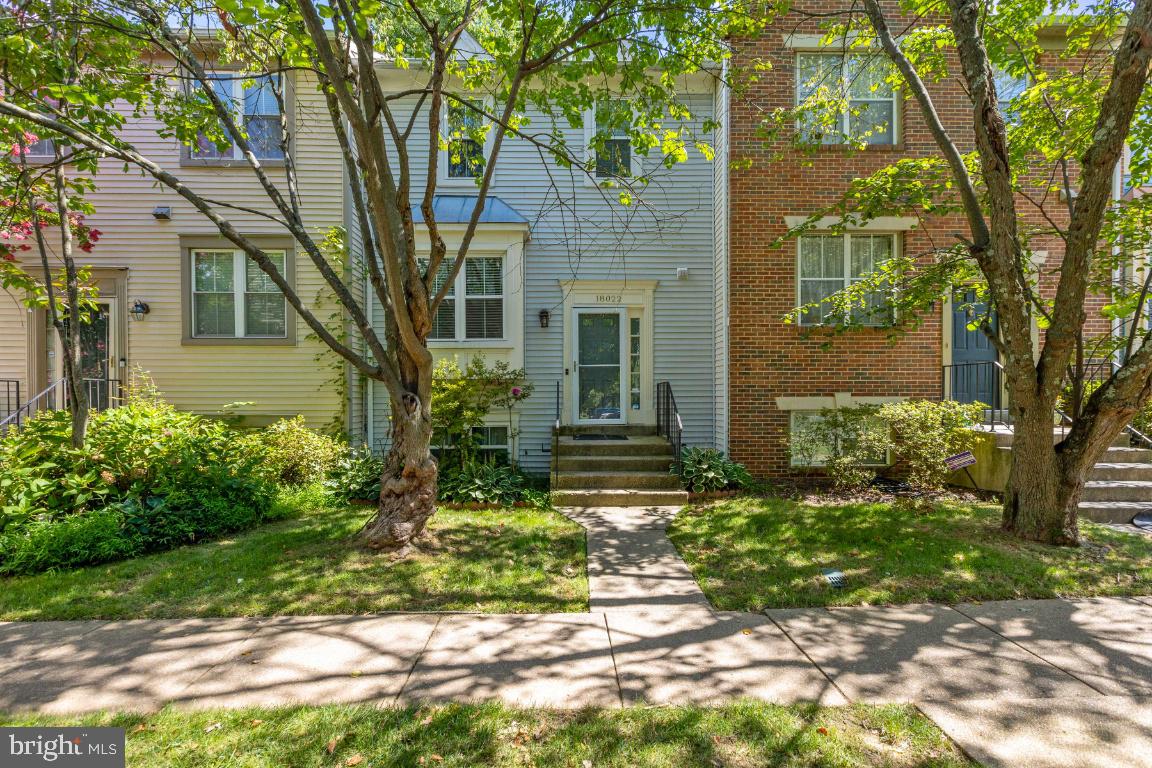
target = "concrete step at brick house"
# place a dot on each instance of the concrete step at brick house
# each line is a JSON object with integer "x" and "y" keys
{"x": 631, "y": 470}
{"x": 1119, "y": 487}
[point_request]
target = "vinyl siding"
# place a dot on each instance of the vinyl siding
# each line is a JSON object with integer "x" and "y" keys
{"x": 575, "y": 233}
{"x": 275, "y": 380}
{"x": 720, "y": 272}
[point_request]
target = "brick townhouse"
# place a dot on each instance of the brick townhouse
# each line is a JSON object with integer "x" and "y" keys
{"x": 776, "y": 372}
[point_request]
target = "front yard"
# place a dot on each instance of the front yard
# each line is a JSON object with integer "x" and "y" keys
{"x": 754, "y": 553}
{"x": 500, "y": 561}
{"x": 746, "y": 734}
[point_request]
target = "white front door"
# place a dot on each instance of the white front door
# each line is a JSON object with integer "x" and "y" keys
{"x": 599, "y": 366}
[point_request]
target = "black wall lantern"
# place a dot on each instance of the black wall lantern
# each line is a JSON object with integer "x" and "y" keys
{"x": 545, "y": 317}
{"x": 139, "y": 309}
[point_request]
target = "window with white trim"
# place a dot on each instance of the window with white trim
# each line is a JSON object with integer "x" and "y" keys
{"x": 1009, "y": 87}
{"x": 256, "y": 112}
{"x": 492, "y": 443}
{"x": 464, "y": 158}
{"x": 848, "y": 97}
{"x": 233, "y": 298}
{"x": 611, "y": 131}
{"x": 830, "y": 263}
{"x": 481, "y": 286}
{"x": 817, "y": 455}
{"x": 489, "y": 443}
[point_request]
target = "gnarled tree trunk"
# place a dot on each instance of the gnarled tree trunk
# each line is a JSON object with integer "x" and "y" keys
{"x": 408, "y": 482}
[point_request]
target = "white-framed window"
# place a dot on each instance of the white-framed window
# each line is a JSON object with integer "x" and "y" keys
{"x": 490, "y": 443}
{"x": 256, "y": 111}
{"x": 480, "y": 285}
{"x": 462, "y": 156}
{"x": 816, "y": 455}
{"x": 849, "y": 98}
{"x": 1009, "y": 87}
{"x": 828, "y": 263}
{"x": 234, "y": 298}
{"x": 608, "y": 126}
{"x": 41, "y": 151}
{"x": 493, "y": 443}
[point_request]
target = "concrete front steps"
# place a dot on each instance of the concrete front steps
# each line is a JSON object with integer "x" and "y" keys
{"x": 1119, "y": 487}
{"x": 630, "y": 472}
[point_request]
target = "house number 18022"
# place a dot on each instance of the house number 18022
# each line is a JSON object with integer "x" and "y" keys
{"x": 608, "y": 299}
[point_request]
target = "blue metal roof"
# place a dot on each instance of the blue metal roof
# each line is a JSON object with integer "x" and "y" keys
{"x": 457, "y": 209}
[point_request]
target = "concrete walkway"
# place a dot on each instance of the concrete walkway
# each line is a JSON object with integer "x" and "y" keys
{"x": 632, "y": 567}
{"x": 1043, "y": 683}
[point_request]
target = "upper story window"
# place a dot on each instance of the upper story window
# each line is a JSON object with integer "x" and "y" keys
{"x": 481, "y": 285}
{"x": 256, "y": 111}
{"x": 612, "y": 121}
{"x": 465, "y": 155}
{"x": 831, "y": 263}
{"x": 847, "y": 97}
{"x": 41, "y": 150}
{"x": 1009, "y": 87}
{"x": 232, "y": 298}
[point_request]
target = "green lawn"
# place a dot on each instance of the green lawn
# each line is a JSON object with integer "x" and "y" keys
{"x": 746, "y": 734}
{"x": 500, "y": 561}
{"x": 755, "y": 553}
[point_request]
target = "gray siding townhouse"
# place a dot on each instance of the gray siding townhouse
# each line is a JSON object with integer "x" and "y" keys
{"x": 598, "y": 302}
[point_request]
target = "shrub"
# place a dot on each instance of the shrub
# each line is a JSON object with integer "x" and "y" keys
{"x": 705, "y": 469}
{"x": 848, "y": 443}
{"x": 463, "y": 397}
{"x": 481, "y": 483}
{"x": 355, "y": 475}
{"x": 923, "y": 433}
{"x": 293, "y": 454}
{"x": 158, "y": 476}
{"x": 94, "y": 537}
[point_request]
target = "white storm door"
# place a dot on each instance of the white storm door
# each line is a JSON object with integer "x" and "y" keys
{"x": 599, "y": 365}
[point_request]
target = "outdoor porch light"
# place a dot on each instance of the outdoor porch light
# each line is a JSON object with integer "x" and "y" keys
{"x": 139, "y": 309}
{"x": 545, "y": 316}
{"x": 162, "y": 212}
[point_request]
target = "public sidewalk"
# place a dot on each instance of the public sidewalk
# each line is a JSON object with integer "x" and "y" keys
{"x": 1042, "y": 683}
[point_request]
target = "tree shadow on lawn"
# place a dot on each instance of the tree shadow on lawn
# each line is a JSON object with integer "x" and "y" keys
{"x": 493, "y": 735}
{"x": 478, "y": 560}
{"x": 756, "y": 553}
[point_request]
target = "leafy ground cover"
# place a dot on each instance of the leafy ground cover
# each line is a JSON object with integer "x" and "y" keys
{"x": 754, "y": 553}
{"x": 743, "y": 734}
{"x": 519, "y": 560}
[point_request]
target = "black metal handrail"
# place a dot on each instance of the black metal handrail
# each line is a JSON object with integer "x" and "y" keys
{"x": 45, "y": 400}
{"x": 555, "y": 464}
{"x": 967, "y": 377}
{"x": 668, "y": 422}
{"x": 102, "y": 395}
{"x": 9, "y": 397}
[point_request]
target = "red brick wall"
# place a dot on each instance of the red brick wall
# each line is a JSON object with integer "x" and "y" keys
{"x": 769, "y": 358}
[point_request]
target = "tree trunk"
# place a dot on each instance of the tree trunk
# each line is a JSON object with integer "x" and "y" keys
{"x": 1042, "y": 496}
{"x": 407, "y": 485}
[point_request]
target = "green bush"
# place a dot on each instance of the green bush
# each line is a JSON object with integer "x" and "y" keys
{"x": 849, "y": 444}
{"x": 481, "y": 483}
{"x": 355, "y": 475}
{"x": 924, "y": 432}
{"x": 158, "y": 476}
{"x": 293, "y": 454}
{"x": 853, "y": 444}
{"x": 94, "y": 537}
{"x": 703, "y": 470}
